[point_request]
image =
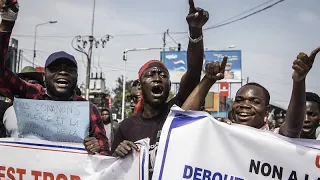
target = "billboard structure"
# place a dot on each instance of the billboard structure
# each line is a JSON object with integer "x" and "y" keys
{"x": 176, "y": 62}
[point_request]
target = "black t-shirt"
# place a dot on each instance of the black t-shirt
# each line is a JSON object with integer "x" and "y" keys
{"x": 137, "y": 127}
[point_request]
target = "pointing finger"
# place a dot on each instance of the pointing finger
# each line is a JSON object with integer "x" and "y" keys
{"x": 314, "y": 53}
{"x": 223, "y": 64}
{"x": 191, "y": 6}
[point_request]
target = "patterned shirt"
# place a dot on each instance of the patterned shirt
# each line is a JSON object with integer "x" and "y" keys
{"x": 11, "y": 85}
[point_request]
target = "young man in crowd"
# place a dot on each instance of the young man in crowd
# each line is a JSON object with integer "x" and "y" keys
{"x": 251, "y": 104}
{"x": 134, "y": 96}
{"x": 109, "y": 122}
{"x": 153, "y": 108}
{"x": 279, "y": 117}
{"x": 312, "y": 118}
{"x": 61, "y": 74}
{"x": 32, "y": 76}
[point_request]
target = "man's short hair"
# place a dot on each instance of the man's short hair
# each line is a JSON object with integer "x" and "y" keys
{"x": 104, "y": 109}
{"x": 135, "y": 83}
{"x": 265, "y": 91}
{"x": 313, "y": 97}
{"x": 278, "y": 110}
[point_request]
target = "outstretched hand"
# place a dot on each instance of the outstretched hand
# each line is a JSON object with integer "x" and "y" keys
{"x": 197, "y": 17}
{"x": 303, "y": 64}
{"x": 215, "y": 70}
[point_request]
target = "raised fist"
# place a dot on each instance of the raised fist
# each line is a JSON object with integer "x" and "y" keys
{"x": 197, "y": 17}
{"x": 215, "y": 70}
{"x": 9, "y": 10}
{"x": 303, "y": 64}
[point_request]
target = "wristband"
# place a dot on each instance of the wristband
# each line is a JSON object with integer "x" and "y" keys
{"x": 195, "y": 40}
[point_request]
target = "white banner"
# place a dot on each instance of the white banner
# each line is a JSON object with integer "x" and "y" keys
{"x": 195, "y": 146}
{"x": 26, "y": 159}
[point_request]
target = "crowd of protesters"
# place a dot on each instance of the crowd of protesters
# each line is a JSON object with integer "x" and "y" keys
{"x": 149, "y": 94}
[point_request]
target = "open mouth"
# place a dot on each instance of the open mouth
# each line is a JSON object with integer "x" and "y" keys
{"x": 307, "y": 127}
{"x": 244, "y": 115}
{"x": 157, "y": 90}
{"x": 62, "y": 82}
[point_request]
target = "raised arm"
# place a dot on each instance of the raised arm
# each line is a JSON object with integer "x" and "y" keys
{"x": 196, "y": 19}
{"x": 214, "y": 72}
{"x": 10, "y": 83}
{"x": 8, "y": 12}
{"x": 296, "y": 111}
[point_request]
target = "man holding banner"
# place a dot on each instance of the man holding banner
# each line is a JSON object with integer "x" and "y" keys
{"x": 60, "y": 80}
{"x": 152, "y": 109}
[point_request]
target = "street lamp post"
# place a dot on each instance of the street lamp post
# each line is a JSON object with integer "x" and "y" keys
{"x": 124, "y": 83}
{"x": 35, "y": 38}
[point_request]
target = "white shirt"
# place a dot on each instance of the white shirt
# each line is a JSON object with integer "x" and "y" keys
{"x": 10, "y": 122}
{"x": 107, "y": 128}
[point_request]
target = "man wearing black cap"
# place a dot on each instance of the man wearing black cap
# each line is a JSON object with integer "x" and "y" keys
{"x": 60, "y": 81}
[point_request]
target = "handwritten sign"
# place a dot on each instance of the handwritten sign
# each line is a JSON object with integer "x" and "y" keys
{"x": 61, "y": 121}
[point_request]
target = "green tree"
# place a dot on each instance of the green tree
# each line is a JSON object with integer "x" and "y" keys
{"x": 117, "y": 100}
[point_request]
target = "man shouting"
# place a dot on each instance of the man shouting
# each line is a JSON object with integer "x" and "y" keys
{"x": 152, "y": 108}
{"x": 61, "y": 75}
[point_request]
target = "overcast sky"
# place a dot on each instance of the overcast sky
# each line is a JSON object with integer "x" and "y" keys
{"x": 269, "y": 41}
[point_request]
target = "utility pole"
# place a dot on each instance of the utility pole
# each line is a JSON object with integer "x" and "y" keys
{"x": 91, "y": 38}
{"x": 19, "y": 60}
{"x": 79, "y": 43}
{"x": 164, "y": 44}
{"x": 247, "y": 80}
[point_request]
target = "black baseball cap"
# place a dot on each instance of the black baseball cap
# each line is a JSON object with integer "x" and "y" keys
{"x": 60, "y": 55}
